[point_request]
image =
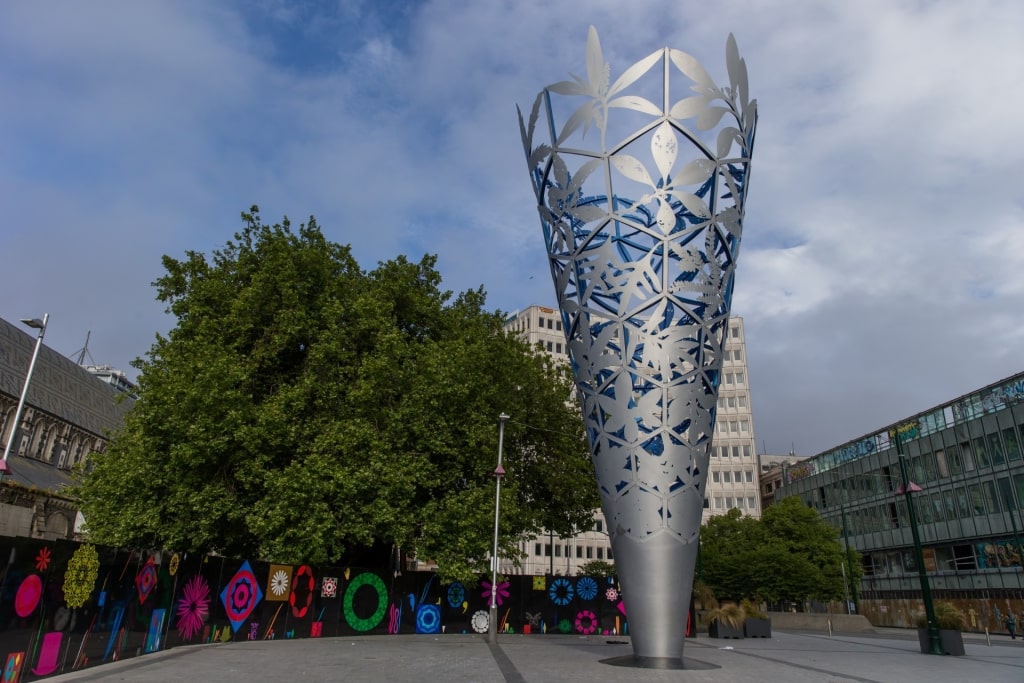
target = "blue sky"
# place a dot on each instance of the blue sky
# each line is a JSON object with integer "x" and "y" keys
{"x": 882, "y": 270}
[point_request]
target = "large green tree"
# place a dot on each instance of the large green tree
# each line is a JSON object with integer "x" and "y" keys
{"x": 305, "y": 410}
{"x": 790, "y": 554}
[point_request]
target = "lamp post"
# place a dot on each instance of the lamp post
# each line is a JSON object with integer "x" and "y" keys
{"x": 40, "y": 325}
{"x": 935, "y": 644}
{"x": 499, "y": 472}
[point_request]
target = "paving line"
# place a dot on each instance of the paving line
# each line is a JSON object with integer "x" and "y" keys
{"x": 505, "y": 665}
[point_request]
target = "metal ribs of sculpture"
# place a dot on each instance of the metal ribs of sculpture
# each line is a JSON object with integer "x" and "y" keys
{"x": 642, "y": 235}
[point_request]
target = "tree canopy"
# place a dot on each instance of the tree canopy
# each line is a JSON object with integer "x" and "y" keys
{"x": 305, "y": 410}
{"x": 790, "y": 554}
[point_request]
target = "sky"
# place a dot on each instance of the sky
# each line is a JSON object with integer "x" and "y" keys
{"x": 882, "y": 267}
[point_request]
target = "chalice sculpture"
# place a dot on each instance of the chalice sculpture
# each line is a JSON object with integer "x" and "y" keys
{"x": 640, "y": 184}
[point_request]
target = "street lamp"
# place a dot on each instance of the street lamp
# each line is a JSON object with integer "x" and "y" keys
{"x": 499, "y": 472}
{"x": 40, "y": 325}
{"x": 935, "y": 643}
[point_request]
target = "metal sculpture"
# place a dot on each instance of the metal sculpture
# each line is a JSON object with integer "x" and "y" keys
{"x": 642, "y": 231}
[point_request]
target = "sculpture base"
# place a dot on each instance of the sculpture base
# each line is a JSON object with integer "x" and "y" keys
{"x": 668, "y": 663}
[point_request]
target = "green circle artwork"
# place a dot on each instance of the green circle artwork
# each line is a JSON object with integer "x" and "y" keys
{"x": 370, "y": 622}
{"x": 564, "y": 625}
{"x": 80, "y": 577}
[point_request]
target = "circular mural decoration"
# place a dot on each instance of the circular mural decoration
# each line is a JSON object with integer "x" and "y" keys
{"x": 561, "y": 591}
{"x": 43, "y": 559}
{"x": 564, "y": 626}
{"x": 611, "y": 594}
{"x": 29, "y": 593}
{"x": 586, "y": 622}
{"x": 172, "y": 566}
{"x": 586, "y": 588}
{"x": 428, "y": 619}
{"x": 456, "y": 594}
{"x": 480, "y": 622}
{"x": 373, "y": 581}
{"x": 302, "y": 583}
{"x": 80, "y": 576}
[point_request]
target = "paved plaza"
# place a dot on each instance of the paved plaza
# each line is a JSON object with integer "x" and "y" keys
{"x": 887, "y": 655}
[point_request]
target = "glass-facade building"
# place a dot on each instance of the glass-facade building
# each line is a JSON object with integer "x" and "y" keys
{"x": 964, "y": 461}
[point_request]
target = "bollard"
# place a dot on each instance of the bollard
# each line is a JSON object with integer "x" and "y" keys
{"x": 829, "y": 628}
{"x": 988, "y": 637}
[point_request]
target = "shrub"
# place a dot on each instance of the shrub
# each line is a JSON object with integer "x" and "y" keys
{"x": 752, "y": 610}
{"x": 731, "y": 615}
{"x": 948, "y": 617}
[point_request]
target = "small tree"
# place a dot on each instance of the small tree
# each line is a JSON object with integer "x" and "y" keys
{"x": 597, "y": 568}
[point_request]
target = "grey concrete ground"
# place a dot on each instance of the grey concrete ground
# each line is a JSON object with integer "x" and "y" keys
{"x": 888, "y": 655}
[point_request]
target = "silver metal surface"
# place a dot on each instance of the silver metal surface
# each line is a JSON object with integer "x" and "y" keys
{"x": 640, "y": 185}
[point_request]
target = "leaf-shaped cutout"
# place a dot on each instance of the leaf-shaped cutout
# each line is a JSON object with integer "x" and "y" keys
{"x": 710, "y": 117}
{"x": 664, "y": 148}
{"x": 666, "y": 218}
{"x": 689, "y": 107}
{"x": 689, "y": 65}
{"x": 636, "y": 103}
{"x": 630, "y": 75}
{"x": 582, "y": 115}
{"x": 588, "y": 213}
{"x": 568, "y": 88}
{"x": 598, "y": 73}
{"x": 726, "y": 137}
{"x": 695, "y": 172}
{"x": 693, "y": 204}
{"x": 631, "y": 167}
{"x": 737, "y": 68}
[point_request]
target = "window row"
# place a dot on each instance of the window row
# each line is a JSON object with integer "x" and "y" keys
{"x": 552, "y": 323}
{"x": 727, "y": 476}
{"x": 588, "y": 552}
{"x": 734, "y": 451}
{"x": 734, "y": 378}
{"x": 729, "y": 502}
{"x": 555, "y": 347}
{"x": 1001, "y": 495}
{"x": 996, "y": 553}
{"x": 732, "y": 426}
{"x": 944, "y": 459}
{"x": 737, "y": 401}
{"x": 734, "y": 354}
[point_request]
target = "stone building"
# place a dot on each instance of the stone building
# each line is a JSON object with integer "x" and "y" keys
{"x": 68, "y": 414}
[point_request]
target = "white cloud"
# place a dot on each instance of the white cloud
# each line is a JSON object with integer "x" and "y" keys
{"x": 883, "y": 236}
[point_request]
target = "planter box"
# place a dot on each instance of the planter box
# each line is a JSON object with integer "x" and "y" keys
{"x": 717, "y": 629}
{"x": 757, "y": 628}
{"x": 952, "y": 641}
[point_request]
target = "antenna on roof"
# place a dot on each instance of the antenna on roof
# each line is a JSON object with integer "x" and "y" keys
{"x": 83, "y": 352}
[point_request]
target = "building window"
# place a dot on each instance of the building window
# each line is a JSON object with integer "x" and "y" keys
{"x": 739, "y": 378}
{"x": 736, "y": 355}
{"x": 558, "y": 347}
{"x": 579, "y": 551}
{"x": 558, "y": 325}
{"x": 749, "y": 476}
{"x": 549, "y": 346}
{"x": 739, "y": 503}
{"x": 744, "y": 426}
{"x": 715, "y": 477}
{"x": 590, "y": 552}
{"x": 599, "y": 526}
{"x": 537, "y": 550}
{"x": 728, "y": 502}
{"x": 751, "y": 503}
{"x": 727, "y": 478}
{"x": 600, "y": 553}
{"x": 746, "y": 451}
{"x": 735, "y": 333}
{"x": 733, "y": 426}
{"x": 550, "y": 323}
{"x": 558, "y": 551}
{"x": 731, "y": 401}
{"x": 608, "y": 554}
{"x": 547, "y": 550}
{"x": 718, "y": 502}
{"x": 743, "y": 400}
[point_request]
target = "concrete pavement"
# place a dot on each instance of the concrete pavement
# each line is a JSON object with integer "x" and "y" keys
{"x": 888, "y": 655}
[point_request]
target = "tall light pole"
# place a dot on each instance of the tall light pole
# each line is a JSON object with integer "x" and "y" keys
{"x": 40, "y": 325}
{"x": 499, "y": 472}
{"x": 934, "y": 640}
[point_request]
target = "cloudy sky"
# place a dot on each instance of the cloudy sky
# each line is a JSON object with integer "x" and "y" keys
{"x": 882, "y": 270}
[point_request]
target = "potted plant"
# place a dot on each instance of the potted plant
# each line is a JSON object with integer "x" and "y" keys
{"x": 756, "y": 624}
{"x": 726, "y": 621}
{"x": 950, "y": 621}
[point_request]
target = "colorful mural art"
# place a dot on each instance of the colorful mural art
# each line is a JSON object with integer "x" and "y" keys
{"x": 66, "y": 606}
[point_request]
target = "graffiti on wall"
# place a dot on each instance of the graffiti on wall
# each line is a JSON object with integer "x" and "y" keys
{"x": 65, "y": 606}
